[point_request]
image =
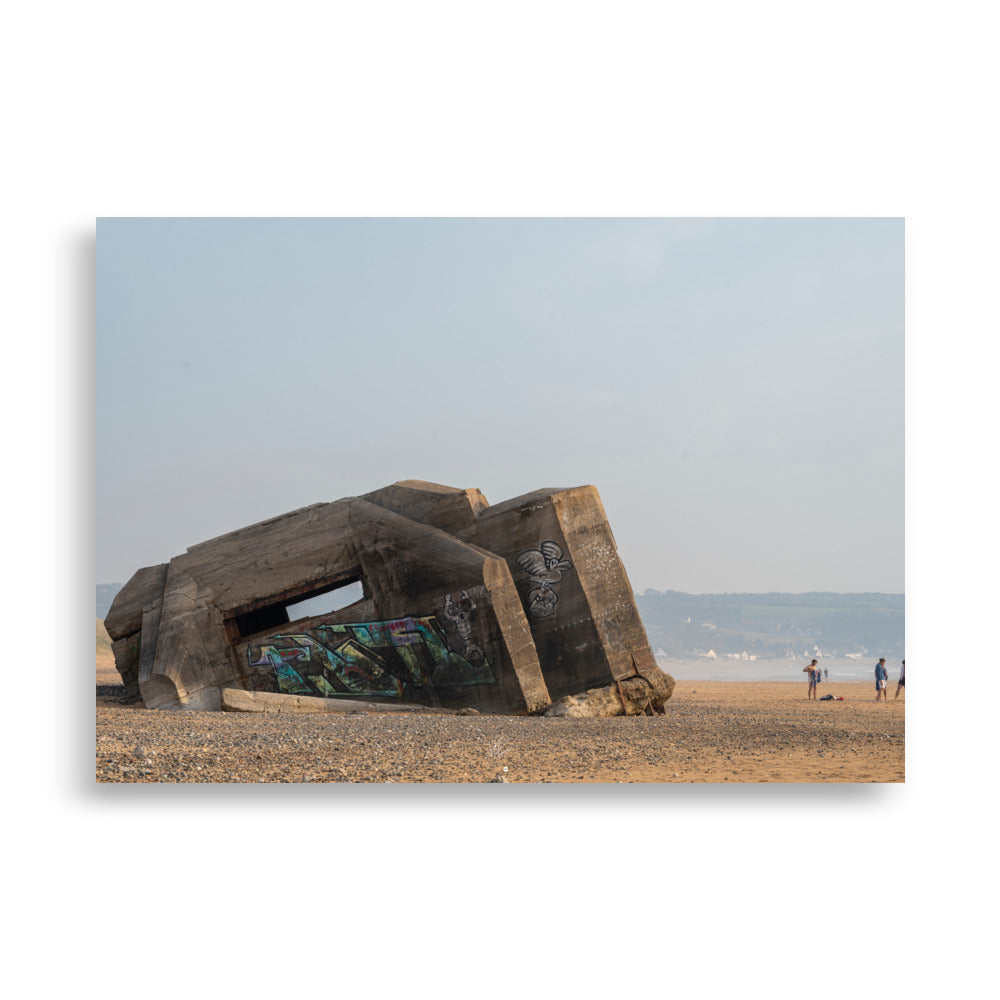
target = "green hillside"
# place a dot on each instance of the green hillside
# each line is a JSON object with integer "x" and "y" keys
{"x": 774, "y": 625}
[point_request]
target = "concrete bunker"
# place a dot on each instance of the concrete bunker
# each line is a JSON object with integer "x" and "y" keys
{"x": 434, "y": 598}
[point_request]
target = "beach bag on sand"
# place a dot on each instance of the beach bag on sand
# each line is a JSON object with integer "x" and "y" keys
{"x": 827, "y": 697}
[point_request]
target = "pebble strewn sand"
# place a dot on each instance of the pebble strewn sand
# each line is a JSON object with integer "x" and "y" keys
{"x": 711, "y": 732}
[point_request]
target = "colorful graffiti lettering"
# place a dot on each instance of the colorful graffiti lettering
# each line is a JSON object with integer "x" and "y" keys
{"x": 407, "y": 657}
{"x": 545, "y": 567}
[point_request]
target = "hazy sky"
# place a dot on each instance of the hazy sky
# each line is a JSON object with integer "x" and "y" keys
{"x": 732, "y": 387}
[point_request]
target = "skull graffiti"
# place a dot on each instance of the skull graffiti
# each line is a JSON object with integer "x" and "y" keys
{"x": 460, "y": 615}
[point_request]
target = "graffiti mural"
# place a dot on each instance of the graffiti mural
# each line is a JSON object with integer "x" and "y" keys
{"x": 545, "y": 568}
{"x": 460, "y": 615}
{"x": 406, "y": 657}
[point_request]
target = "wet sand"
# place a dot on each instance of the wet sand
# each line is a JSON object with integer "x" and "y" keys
{"x": 716, "y": 731}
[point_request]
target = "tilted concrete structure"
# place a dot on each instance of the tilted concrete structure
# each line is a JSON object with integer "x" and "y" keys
{"x": 502, "y": 608}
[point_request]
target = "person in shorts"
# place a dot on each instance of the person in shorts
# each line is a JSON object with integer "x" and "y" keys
{"x": 813, "y": 672}
{"x": 881, "y": 676}
{"x": 902, "y": 680}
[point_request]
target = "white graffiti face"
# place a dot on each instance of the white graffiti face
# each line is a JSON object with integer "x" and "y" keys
{"x": 545, "y": 568}
{"x": 542, "y": 602}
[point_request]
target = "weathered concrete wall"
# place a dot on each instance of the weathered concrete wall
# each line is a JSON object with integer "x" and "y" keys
{"x": 497, "y": 608}
{"x": 571, "y": 582}
{"x": 444, "y": 507}
{"x": 535, "y": 535}
{"x": 124, "y": 617}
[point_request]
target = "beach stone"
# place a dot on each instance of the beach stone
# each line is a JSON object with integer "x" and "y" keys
{"x": 633, "y": 696}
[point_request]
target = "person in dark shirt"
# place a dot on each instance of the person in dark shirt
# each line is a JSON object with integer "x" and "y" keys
{"x": 902, "y": 680}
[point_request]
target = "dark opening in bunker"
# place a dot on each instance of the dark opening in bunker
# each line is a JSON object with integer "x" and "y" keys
{"x": 317, "y": 601}
{"x": 324, "y": 602}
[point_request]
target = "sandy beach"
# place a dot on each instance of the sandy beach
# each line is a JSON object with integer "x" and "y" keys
{"x": 712, "y": 731}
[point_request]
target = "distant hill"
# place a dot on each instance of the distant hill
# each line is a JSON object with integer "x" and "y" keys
{"x": 773, "y": 625}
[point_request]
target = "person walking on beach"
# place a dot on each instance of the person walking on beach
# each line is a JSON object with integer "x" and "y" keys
{"x": 826, "y": 674}
{"x": 902, "y": 680}
{"x": 881, "y": 676}
{"x": 813, "y": 672}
